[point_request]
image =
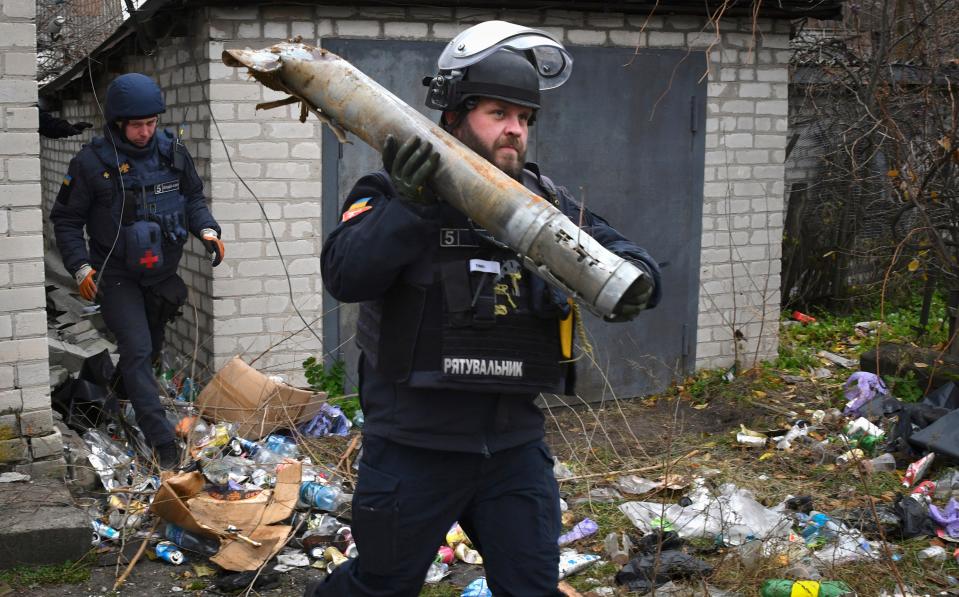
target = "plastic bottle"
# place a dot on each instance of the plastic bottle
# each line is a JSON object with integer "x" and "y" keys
{"x": 320, "y": 496}
{"x": 190, "y": 542}
{"x": 868, "y": 443}
{"x": 881, "y": 463}
{"x": 284, "y": 446}
{"x": 788, "y": 588}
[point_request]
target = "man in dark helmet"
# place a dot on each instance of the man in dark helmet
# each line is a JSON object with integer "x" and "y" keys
{"x": 457, "y": 339}
{"x": 137, "y": 193}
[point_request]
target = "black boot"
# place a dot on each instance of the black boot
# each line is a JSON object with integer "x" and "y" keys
{"x": 167, "y": 456}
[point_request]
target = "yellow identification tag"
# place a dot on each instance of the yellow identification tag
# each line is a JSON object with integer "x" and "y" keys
{"x": 805, "y": 588}
{"x": 566, "y": 332}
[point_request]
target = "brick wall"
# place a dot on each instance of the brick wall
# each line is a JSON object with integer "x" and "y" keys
{"x": 28, "y": 440}
{"x": 245, "y": 305}
{"x": 743, "y": 193}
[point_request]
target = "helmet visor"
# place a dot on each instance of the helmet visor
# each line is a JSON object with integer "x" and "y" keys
{"x": 552, "y": 62}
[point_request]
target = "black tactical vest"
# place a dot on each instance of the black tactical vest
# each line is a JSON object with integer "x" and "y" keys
{"x": 470, "y": 318}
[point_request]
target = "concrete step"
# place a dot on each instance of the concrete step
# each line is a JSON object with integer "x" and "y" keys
{"x": 39, "y": 524}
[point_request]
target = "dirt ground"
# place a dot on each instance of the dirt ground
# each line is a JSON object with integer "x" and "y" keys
{"x": 598, "y": 442}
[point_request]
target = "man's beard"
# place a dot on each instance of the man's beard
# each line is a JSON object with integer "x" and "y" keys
{"x": 514, "y": 168}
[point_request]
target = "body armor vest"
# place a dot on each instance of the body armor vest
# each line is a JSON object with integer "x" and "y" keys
{"x": 150, "y": 210}
{"x": 480, "y": 322}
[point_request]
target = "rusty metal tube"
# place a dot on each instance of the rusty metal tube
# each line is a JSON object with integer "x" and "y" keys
{"x": 347, "y": 99}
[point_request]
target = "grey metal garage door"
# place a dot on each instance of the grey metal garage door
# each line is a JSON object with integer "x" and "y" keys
{"x": 625, "y": 135}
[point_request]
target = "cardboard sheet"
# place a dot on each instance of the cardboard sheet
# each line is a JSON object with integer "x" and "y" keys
{"x": 181, "y": 501}
{"x": 258, "y": 405}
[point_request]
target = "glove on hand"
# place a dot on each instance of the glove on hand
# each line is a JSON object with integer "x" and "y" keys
{"x": 85, "y": 281}
{"x": 411, "y": 167}
{"x": 213, "y": 245}
{"x": 79, "y": 127}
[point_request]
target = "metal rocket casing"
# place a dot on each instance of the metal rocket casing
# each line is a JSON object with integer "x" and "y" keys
{"x": 345, "y": 98}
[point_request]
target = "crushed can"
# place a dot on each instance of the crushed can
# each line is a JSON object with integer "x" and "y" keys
{"x": 168, "y": 552}
{"x": 334, "y": 557}
{"x": 917, "y": 470}
{"x": 104, "y": 531}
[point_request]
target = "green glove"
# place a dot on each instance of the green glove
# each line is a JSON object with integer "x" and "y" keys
{"x": 411, "y": 167}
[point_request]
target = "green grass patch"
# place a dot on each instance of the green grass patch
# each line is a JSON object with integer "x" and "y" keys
{"x": 22, "y": 577}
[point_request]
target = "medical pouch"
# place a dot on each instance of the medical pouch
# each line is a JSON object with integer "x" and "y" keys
{"x": 143, "y": 243}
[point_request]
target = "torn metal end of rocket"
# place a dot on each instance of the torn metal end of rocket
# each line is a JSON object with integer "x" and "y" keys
{"x": 258, "y": 61}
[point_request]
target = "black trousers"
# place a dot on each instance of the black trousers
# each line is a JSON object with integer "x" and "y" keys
{"x": 138, "y": 329}
{"x": 407, "y": 498}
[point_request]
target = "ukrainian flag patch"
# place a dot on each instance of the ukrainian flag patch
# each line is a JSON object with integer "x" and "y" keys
{"x": 67, "y": 180}
{"x": 357, "y": 208}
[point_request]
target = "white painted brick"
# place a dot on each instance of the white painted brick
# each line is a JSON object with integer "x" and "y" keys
{"x": 751, "y": 157}
{"x": 19, "y": 35}
{"x": 26, "y": 325}
{"x": 295, "y": 247}
{"x": 776, "y": 75}
{"x": 291, "y": 130}
{"x": 20, "y": 9}
{"x": 7, "y": 378}
{"x": 246, "y": 170}
{"x": 20, "y": 247}
{"x": 703, "y": 39}
{"x": 276, "y": 30}
{"x": 259, "y": 267}
{"x": 358, "y": 28}
{"x": 629, "y": 38}
{"x": 304, "y": 266}
{"x": 237, "y": 326}
{"x": 759, "y": 90}
{"x": 20, "y": 143}
{"x": 666, "y": 38}
{"x": 649, "y": 22}
{"x": 245, "y": 250}
{"x": 288, "y": 170}
{"x": 771, "y": 141}
{"x": 775, "y": 41}
{"x": 447, "y": 30}
{"x": 264, "y": 305}
{"x": 737, "y": 106}
{"x": 20, "y": 64}
{"x": 264, "y": 149}
{"x": 48, "y": 445}
{"x": 586, "y": 37}
{"x": 304, "y": 29}
{"x": 748, "y": 189}
{"x": 249, "y": 30}
{"x": 30, "y": 349}
{"x": 274, "y": 286}
{"x": 23, "y": 169}
{"x": 306, "y": 209}
{"x": 740, "y": 40}
{"x": 26, "y": 220}
{"x": 308, "y": 150}
{"x": 235, "y": 92}
{"x": 33, "y": 374}
{"x": 6, "y": 327}
{"x": 738, "y": 140}
{"x": 237, "y": 287}
{"x": 608, "y": 20}
{"x": 746, "y": 74}
{"x": 406, "y": 30}
{"x": 268, "y": 189}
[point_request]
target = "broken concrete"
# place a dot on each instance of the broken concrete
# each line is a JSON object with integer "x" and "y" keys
{"x": 39, "y": 524}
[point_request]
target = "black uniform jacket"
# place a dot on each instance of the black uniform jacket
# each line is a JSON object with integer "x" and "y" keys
{"x": 382, "y": 241}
